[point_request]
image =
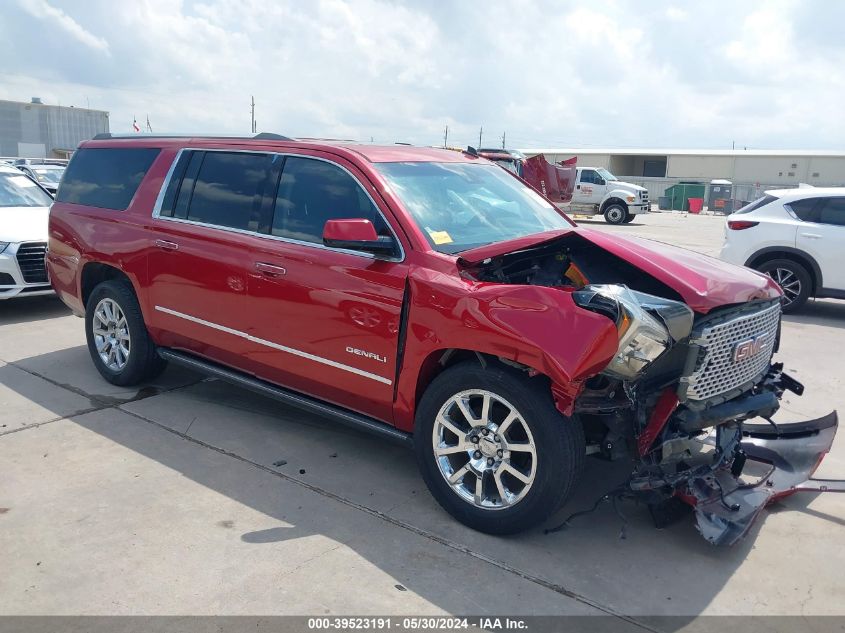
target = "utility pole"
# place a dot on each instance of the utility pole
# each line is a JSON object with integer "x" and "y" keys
{"x": 252, "y": 108}
{"x": 480, "y": 131}
{"x": 503, "y": 139}
{"x": 733, "y": 144}
{"x": 446, "y": 136}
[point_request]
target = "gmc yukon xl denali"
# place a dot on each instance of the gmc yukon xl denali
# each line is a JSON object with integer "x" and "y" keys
{"x": 431, "y": 297}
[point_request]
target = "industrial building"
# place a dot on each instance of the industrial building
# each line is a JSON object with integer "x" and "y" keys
{"x": 37, "y": 130}
{"x": 749, "y": 171}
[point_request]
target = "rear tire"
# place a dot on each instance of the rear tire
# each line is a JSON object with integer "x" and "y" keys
{"x": 793, "y": 279}
{"x": 118, "y": 341}
{"x": 507, "y": 501}
{"x": 615, "y": 213}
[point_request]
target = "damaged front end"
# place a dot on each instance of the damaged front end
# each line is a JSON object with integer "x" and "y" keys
{"x": 693, "y": 366}
{"x": 689, "y": 384}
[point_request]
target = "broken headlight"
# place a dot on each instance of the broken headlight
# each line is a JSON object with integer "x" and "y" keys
{"x": 647, "y": 325}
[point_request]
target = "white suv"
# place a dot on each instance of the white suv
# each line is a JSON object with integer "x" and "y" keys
{"x": 24, "y": 211}
{"x": 797, "y": 237}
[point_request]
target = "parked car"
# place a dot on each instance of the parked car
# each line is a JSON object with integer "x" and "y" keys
{"x": 430, "y": 297}
{"x": 24, "y": 207}
{"x": 797, "y": 237}
{"x": 48, "y": 176}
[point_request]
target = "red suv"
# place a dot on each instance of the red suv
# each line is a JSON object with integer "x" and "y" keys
{"x": 434, "y": 298}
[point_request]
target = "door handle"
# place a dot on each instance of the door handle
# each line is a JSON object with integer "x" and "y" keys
{"x": 812, "y": 236}
{"x": 577, "y": 186}
{"x": 269, "y": 269}
{"x": 167, "y": 246}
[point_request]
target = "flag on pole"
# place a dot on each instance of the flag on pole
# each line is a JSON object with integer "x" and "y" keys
{"x": 135, "y": 125}
{"x": 149, "y": 127}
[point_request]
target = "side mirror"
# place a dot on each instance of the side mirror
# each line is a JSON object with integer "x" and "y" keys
{"x": 357, "y": 234}
{"x": 601, "y": 181}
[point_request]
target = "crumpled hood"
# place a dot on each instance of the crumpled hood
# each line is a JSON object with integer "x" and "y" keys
{"x": 704, "y": 283}
{"x": 24, "y": 224}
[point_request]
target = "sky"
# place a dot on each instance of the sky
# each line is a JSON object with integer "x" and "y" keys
{"x": 615, "y": 73}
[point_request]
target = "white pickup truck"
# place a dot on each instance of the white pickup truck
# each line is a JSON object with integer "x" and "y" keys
{"x": 597, "y": 191}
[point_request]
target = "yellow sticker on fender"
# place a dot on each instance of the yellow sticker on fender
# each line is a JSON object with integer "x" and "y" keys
{"x": 440, "y": 237}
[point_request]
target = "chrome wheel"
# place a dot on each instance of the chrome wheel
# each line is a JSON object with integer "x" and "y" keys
{"x": 484, "y": 449}
{"x": 111, "y": 334}
{"x": 788, "y": 282}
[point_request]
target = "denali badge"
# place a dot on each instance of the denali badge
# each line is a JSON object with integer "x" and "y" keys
{"x": 360, "y": 352}
{"x": 749, "y": 347}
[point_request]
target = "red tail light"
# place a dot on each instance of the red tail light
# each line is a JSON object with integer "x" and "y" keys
{"x": 738, "y": 225}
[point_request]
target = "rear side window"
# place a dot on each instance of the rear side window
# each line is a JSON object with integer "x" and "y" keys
{"x": 105, "y": 177}
{"x": 832, "y": 211}
{"x": 805, "y": 209}
{"x": 759, "y": 202}
{"x": 314, "y": 191}
{"x": 220, "y": 188}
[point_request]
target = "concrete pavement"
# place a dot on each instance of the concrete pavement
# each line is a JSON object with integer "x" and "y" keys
{"x": 190, "y": 496}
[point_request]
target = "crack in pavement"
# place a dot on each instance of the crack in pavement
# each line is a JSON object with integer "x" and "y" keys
{"x": 405, "y": 526}
{"x": 105, "y": 404}
{"x": 100, "y": 403}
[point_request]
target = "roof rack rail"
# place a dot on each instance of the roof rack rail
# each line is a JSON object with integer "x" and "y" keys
{"x": 262, "y": 136}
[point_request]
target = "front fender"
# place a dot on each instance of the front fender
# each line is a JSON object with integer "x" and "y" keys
{"x": 536, "y": 326}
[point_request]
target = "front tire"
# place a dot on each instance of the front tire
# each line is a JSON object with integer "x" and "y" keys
{"x": 615, "y": 213}
{"x": 793, "y": 279}
{"x": 118, "y": 341}
{"x": 629, "y": 217}
{"x": 493, "y": 449}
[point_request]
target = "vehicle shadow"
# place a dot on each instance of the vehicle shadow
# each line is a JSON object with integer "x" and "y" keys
{"x": 827, "y": 312}
{"x": 600, "y": 557}
{"x": 29, "y": 309}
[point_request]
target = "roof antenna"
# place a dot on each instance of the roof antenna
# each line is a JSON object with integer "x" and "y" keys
{"x": 471, "y": 151}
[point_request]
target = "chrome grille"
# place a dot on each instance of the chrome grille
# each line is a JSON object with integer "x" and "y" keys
{"x": 717, "y": 371}
{"x": 31, "y": 262}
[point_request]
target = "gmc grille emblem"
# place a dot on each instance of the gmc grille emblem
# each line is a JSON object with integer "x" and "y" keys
{"x": 749, "y": 348}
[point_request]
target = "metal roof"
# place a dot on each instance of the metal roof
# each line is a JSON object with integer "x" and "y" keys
{"x": 687, "y": 152}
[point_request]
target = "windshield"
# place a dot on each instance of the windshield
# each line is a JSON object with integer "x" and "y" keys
{"x": 16, "y": 190}
{"x": 606, "y": 174}
{"x": 49, "y": 175}
{"x": 512, "y": 165}
{"x": 461, "y": 205}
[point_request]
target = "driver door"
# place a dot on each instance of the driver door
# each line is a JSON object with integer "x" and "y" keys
{"x": 590, "y": 188}
{"x": 327, "y": 319}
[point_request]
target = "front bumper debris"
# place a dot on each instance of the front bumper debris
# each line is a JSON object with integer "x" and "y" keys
{"x": 727, "y": 502}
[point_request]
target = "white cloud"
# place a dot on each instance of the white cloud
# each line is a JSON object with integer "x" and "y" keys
{"x": 676, "y": 13}
{"x": 43, "y": 10}
{"x": 614, "y": 73}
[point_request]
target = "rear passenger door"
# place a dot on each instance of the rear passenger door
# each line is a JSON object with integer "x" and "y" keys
{"x": 327, "y": 319}
{"x": 824, "y": 238}
{"x": 204, "y": 232}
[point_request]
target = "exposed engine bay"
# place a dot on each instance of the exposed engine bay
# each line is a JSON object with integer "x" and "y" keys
{"x": 678, "y": 395}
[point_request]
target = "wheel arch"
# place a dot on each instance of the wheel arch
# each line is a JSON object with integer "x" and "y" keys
{"x": 94, "y": 273}
{"x": 793, "y": 254}
{"x": 614, "y": 200}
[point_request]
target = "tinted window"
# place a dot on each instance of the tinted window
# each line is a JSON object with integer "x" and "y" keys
{"x": 805, "y": 209}
{"x": 589, "y": 176}
{"x": 312, "y": 192}
{"x": 228, "y": 189}
{"x": 105, "y": 177}
{"x": 17, "y": 190}
{"x": 833, "y": 211}
{"x": 759, "y": 202}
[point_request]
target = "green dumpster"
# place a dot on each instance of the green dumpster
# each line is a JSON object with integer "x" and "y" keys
{"x": 680, "y": 193}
